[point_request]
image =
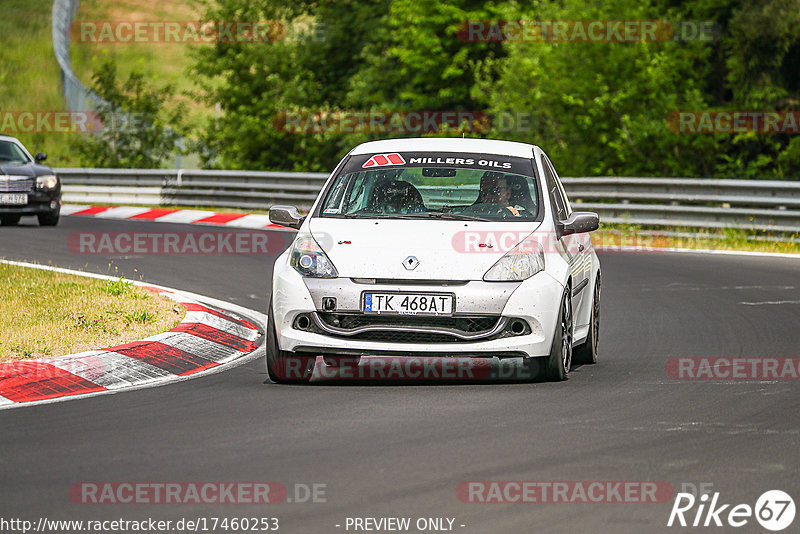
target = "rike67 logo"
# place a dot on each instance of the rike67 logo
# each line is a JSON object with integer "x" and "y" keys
{"x": 774, "y": 510}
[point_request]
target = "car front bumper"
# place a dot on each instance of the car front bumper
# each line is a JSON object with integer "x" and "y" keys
{"x": 534, "y": 301}
{"x": 38, "y": 202}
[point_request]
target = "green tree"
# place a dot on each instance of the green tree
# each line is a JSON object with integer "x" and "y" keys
{"x": 138, "y": 131}
{"x": 603, "y": 108}
{"x": 597, "y": 108}
{"x": 384, "y": 55}
{"x": 256, "y": 84}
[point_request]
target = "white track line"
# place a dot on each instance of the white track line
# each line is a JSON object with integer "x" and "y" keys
{"x": 109, "y": 369}
{"x": 220, "y": 324}
{"x": 122, "y": 212}
{"x": 184, "y": 216}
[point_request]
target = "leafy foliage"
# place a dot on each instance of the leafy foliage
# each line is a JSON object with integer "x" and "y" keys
{"x": 137, "y": 129}
{"x": 596, "y": 107}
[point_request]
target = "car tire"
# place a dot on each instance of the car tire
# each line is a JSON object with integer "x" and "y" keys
{"x": 10, "y": 219}
{"x": 284, "y": 367}
{"x": 586, "y": 352}
{"x": 49, "y": 219}
{"x": 560, "y": 360}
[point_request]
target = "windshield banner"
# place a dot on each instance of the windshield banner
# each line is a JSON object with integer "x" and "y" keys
{"x": 489, "y": 162}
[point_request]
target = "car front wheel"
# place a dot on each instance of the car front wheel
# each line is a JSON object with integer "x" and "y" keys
{"x": 284, "y": 367}
{"x": 560, "y": 360}
{"x": 48, "y": 219}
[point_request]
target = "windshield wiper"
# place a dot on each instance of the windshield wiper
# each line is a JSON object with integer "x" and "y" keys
{"x": 353, "y": 215}
{"x": 452, "y": 216}
{"x": 417, "y": 216}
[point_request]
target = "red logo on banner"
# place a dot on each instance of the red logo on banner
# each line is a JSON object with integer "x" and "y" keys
{"x": 379, "y": 160}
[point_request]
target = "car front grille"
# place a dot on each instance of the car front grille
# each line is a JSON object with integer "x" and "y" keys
{"x": 410, "y": 329}
{"x": 389, "y": 336}
{"x": 16, "y": 184}
{"x": 472, "y": 324}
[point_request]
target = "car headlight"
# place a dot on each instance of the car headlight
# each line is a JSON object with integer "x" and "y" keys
{"x": 47, "y": 181}
{"x": 309, "y": 259}
{"x": 520, "y": 263}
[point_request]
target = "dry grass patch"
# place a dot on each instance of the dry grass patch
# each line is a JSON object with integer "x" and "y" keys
{"x": 43, "y": 313}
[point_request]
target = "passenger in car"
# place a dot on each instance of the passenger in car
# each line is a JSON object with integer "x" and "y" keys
{"x": 495, "y": 189}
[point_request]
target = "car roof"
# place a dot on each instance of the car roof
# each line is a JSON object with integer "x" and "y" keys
{"x": 447, "y": 144}
{"x": 8, "y": 138}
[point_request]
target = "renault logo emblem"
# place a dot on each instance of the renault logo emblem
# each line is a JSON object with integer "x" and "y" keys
{"x": 410, "y": 263}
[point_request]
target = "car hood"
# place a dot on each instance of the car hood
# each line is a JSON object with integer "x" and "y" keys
{"x": 27, "y": 169}
{"x": 445, "y": 250}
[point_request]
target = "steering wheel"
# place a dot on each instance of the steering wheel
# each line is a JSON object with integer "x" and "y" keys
{"x": 485, "y": 209}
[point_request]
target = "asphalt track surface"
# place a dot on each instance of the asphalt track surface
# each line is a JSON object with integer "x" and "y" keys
{"x": 390, "y": 450}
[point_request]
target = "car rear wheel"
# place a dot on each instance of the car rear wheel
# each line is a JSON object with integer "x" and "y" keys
{"x": 10, "y": 219}
{"x": 49, "y": 218}
{"x": 560, "y": 360}
{"x": 284, "y": 367}
{"x": 586, "y": 352}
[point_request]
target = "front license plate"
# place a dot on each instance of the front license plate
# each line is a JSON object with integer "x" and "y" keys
{"x": 13, "y": 200}
{"x": 408, "y": 303}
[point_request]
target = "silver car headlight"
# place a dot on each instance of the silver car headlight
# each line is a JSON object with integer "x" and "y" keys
{"x": 309, "y": 259}
{"x": 520, "y": 263}
{"x": 47, "y": 181}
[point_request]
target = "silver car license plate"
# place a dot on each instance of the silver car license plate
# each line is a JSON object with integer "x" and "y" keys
{"x": 10, "y": 199}
{"x": 409, "y": 303}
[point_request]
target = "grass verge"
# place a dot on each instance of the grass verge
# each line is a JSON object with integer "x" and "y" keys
{"x": 44, "y": 313}
{"x": 30, "y": 80}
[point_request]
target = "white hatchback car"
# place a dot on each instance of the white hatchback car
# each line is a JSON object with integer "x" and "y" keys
{"x": 436, "y": 248}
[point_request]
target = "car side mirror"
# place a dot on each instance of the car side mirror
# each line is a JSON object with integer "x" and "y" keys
{"x": 40, "y": 157}
{"x": 286, "y": 216}
{"x": 579, "y": 222}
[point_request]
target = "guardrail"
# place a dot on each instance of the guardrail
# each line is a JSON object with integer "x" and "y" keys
{"x": 78, "y": 97}
{"x": 687, "y": 202}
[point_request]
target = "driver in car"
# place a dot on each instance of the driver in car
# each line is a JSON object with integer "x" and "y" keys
{"x": 496, "y": 190}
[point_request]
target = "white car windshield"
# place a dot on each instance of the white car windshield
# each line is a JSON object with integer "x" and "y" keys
{"x": 440, "y": 192}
